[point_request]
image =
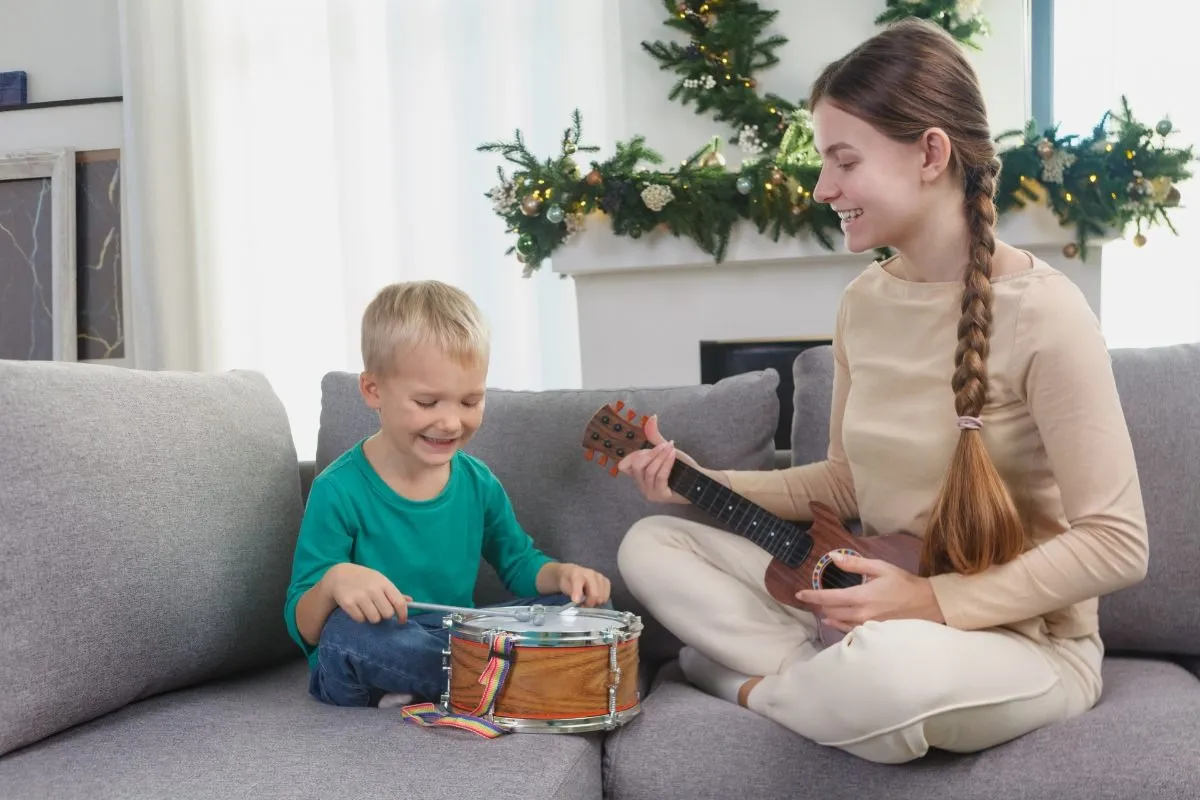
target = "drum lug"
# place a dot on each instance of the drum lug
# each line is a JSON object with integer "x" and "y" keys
{"x": 447, "y": 622}
{"x": 614, "y": 670}
{"x": 446, "y": 669}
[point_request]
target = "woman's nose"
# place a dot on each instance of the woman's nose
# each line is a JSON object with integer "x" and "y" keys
{"x": 824, "y": 191}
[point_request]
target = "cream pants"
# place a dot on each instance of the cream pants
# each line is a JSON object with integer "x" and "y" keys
{"x": 888, "y": 691}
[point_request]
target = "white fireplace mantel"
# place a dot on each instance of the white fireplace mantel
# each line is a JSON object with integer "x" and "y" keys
{"x": 645, "y": 304}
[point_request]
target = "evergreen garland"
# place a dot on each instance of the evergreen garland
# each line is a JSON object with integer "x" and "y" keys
{"x": 716, "y": 69}
{"x": 962, "y": 19}
{"x": 1123, "y": 173}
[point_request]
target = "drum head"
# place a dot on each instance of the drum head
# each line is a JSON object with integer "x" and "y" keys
{"x": 587, "y": 623}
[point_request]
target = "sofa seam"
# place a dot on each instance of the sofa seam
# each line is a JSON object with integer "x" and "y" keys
{"x": 578, "y": 760}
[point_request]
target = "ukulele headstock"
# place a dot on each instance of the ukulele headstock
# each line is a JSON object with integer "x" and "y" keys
{"x": 612, "y": 433}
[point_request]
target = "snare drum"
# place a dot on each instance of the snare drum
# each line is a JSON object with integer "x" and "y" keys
{"x": 567, "y": 672}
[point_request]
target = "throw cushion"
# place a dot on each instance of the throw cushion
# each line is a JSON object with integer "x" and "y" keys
{"x": 147, "y": 521}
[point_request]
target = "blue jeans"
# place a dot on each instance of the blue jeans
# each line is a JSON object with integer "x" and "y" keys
{"x": 359, "y": 662}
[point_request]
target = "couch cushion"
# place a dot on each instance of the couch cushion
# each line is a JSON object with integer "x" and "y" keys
{"x": 1140, "y": 740}
{"x": 573, "y": 508}
{"x": 264, "y": 737}
{"x": 812, "y": 374}
{"x": 1158, "y": 387}
{"x": 147, "y": 521}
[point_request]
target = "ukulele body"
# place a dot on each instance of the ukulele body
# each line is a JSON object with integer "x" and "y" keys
{"x": 818, "y": 572}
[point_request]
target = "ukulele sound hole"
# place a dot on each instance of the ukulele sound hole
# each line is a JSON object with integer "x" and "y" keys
{"x": 834, "y": 578}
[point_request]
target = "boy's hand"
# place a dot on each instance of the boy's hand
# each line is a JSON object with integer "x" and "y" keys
{"x": 584, "y": 586}
{"x": 365, "y": 594}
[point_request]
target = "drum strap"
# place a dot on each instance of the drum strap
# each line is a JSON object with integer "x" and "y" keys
{"x": 494, "y": 674}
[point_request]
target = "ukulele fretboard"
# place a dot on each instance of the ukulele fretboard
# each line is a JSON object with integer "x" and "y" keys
{"x": 784, "y": 540}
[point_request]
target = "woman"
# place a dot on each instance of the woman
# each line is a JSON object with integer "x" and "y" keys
{"x": 973, "y": 405}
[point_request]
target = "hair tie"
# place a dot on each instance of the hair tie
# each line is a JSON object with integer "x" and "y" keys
{"x": 969, "y": 423}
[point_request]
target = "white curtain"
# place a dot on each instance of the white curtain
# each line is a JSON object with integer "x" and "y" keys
{"x": 1149, "y": 295}
{"x": 287, "y": 158}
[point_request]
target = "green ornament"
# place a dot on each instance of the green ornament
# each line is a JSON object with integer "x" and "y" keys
{"x": 744, "y": 184}
{"x": 525, "y": 244}
{"x": 555, "y": 214}
{"x": 1163, "y": 127}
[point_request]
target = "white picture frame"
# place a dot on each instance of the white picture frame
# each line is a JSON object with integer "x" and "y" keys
{"x": 57, "y": 164}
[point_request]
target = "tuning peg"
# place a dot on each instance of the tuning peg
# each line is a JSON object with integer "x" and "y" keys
{"x": 645, "y": 419}
{"x": 630, "y": 415}
{"x": 612, "y": 471}
{"x": 603, "y": 459}
{"x": 589, "y": 454}
{"x": 620, "y": 405}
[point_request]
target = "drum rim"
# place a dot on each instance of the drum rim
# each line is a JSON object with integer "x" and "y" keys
{"x": 596, "y": 722}
{"x": 476, "y": 629}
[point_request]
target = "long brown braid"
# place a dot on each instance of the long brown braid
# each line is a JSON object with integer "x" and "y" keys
{"x": 974, "y": 522}
{"x": 905, "y": 80}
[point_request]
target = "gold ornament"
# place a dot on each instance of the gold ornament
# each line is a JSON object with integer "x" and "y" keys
{"x": 530, "y": 205}
{"x": 1139, "y": 241}
{"x": 1172, "y": 198}
{"x": 594, "y": 178}
{"x": 1070, "y": 250}
{"x": 713, "y": 159}
{"x": 1162, "y": 188}
{"x": 1045, "y": 148}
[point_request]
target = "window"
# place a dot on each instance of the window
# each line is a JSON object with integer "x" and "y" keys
{"x": 1150, "y": 295}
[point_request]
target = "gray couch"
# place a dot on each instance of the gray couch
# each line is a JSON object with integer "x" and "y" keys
{"x": 146, "y": 528}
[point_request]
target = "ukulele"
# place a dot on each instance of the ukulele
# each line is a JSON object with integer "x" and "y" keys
{"x": 802, "y": 553}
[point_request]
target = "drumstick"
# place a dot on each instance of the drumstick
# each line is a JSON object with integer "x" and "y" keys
{"x": 493, "y": 610}
{"x": 457, "y": 609}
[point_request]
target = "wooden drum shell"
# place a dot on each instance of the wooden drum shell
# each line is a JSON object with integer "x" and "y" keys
{"x": 550, "y": 686}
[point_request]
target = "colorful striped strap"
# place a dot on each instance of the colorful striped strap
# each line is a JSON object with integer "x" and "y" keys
{"x": 494, "y": 674}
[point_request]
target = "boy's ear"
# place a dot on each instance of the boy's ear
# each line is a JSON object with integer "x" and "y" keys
{"x": 368, "y": 387}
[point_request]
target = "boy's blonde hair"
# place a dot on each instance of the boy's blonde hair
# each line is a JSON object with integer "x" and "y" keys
{"x": 407, "y": 314}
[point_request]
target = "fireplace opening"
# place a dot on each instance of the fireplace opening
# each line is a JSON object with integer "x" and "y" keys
{"x": 722, "y": 359}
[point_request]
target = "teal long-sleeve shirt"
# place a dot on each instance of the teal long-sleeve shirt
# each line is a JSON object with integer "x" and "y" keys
{"x": 429, "y": 549}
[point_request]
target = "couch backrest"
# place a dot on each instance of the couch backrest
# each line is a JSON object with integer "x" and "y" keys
{"x": 573, "y": 508}
{"x": 147, "y": 521}
{"x": 1158, "y": 388}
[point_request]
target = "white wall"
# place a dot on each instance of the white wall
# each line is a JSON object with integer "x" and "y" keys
{"x": 70, "y": 48}
{"x": 818, "y": 31}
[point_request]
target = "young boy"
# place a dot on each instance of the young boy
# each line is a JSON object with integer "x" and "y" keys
{"x": 405, "y": 514}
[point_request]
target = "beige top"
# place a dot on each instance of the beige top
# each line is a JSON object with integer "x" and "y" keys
{"x": 1053, "y": 426}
